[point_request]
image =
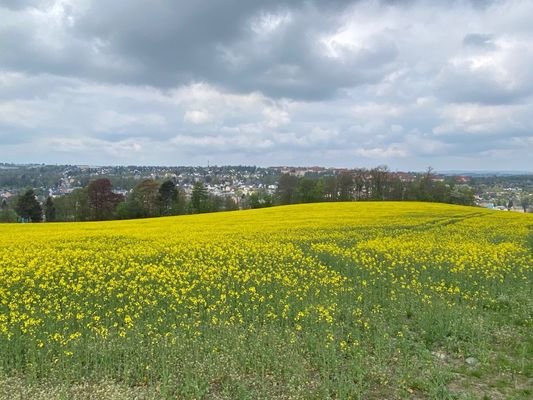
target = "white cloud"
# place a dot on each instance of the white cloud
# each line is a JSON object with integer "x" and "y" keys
{"x": 483, "y": 119}
{"x": 197, "y": 117}
{"x": 110, "y": 121}
{"x": 275, "y": 116}
{"x": 380, "y": 153}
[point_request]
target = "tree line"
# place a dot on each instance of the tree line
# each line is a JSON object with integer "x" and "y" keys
{"x": 377, "y": 184}
{"x": 150, "y": 198}
{"x": 99, "y": 202}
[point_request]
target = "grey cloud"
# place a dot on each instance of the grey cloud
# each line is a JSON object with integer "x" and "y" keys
{"x": 461, "y": 86}
{"x": 294, "y": 65}
{"x": 404, "y": 83}
{"x": 179, "y": 42}
{"x": 478, "y": 40}
{"x": 20, "y": 4}
{"x": 177, "y": 49}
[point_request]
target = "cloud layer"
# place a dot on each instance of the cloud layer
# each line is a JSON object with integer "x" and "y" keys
{"x": 340, "y": 83}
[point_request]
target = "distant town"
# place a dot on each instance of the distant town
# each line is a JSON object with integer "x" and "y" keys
{"x": 239, "y": 187}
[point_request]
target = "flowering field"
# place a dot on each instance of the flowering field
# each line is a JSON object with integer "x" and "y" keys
{"x": 344, "y": 300}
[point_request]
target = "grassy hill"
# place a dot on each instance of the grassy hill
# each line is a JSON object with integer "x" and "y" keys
{"x": 341, "y": 300}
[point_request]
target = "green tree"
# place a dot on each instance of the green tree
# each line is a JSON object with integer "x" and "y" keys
{"x": 79, "y": 204}
{"x": 144, "y": 201}
{"x": 361, "y": 183}
{"x": 230, "y": 204}
{"x": 28, "y": 208}
{"x": 330, "y": 188}
{"x": 146, "y": 195}
{"x": 397, "y": 189}
{"x": 460, "y": 195}
{"x": 260, "y": 199}
{"x": 168, "y": 198}
{"x": 345, "y": 184}
{"x": 129, "y": 209}
{"x": 214, "y": 203}
{"x": 64, "y": 209}
{"x": 199, "y": 198}
{"x": 424, "y": 187}
{"x": 287, "y": 189}
{"x": 49, "y": 210}
{"x": 310, "y": 190}
{"x": 379, "y": 178}
{"x": 525, "y": 202}
{"x": 72, "y": 207}
{"x": 6, "y": 214}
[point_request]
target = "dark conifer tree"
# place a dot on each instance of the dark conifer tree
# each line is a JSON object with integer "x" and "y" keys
{"x": 49, "y": 210}
{"x": 28, "y": 207}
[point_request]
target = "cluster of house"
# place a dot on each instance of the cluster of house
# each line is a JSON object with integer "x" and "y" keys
{"x": 7, "y": 194}
{"x": 220, "y": 181}
{"x": 506, "y": 199}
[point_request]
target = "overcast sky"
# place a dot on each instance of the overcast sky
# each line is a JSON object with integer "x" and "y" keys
{"x": 409, "y": 84}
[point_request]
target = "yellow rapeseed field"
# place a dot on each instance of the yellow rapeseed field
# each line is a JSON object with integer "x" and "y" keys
{"x": 336, "y": 285}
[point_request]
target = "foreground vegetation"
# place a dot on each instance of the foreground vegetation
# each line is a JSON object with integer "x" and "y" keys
{"x": 344, "y": 300}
